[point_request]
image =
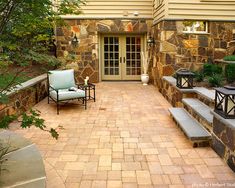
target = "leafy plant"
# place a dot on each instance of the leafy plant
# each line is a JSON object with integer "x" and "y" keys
{"x": 32, "y": 118}
{"x": 211, "y": 69}
{"x": 229, "y": 58}
{"x": 230, "y": 73}
{"x": 199, "y": 76}
{"x": 215, "y": 80}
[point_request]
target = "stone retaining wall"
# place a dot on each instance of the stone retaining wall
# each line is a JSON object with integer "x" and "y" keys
{"x": 25, "y": 96}
{"x": 175, "y": 49}
{"x": 223, "y": 139}
{"x": 173, "y": 94}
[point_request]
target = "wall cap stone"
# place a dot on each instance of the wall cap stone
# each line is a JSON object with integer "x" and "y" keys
{"x": 229, "y": 122}
{"x": 171, "y": 80}
{"x": 28, "y": 84}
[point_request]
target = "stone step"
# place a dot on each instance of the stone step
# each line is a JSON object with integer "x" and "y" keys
{"x": 205, "y": 95}
{"x": 196, "y": 133}
{"x": 23, "y": 165}
{"x": 199, "y": 111}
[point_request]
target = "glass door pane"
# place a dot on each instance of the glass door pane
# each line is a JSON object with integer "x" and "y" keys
{"x": 133, "y": 58}
{"x": 111, "y": 56}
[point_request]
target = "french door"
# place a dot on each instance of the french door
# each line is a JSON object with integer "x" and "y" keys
{"x": 121, "y": 57}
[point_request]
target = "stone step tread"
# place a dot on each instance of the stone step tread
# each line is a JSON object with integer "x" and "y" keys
{"x": 199, "y": 108}
{"x": 193, "y": 130}
{"x": 207, "y": 93}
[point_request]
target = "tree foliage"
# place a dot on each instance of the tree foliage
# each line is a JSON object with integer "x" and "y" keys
{"x": 26, "y": 34}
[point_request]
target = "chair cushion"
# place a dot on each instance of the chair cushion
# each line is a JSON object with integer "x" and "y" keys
{"x": 61, "y": 79}
{"x": 65, "y": 94}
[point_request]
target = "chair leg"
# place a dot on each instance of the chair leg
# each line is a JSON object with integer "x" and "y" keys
{"x": 85, "y": 103}
{"x": 48, "y": 99}
{"x": 57, "y": 106}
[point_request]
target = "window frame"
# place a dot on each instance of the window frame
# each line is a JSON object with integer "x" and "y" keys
{"x": 206, "y": 31}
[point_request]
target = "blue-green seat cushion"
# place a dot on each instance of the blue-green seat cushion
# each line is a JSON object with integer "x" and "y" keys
{"x": 65, "y": 94}
{"x": 61, "y": 79}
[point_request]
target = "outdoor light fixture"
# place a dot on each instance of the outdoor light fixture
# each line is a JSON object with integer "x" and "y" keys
{"x": 150, "y": 41}
{"x": 225, "y": 102}
{"x": 75, "y": 41}
{"x": 184, "y": 79}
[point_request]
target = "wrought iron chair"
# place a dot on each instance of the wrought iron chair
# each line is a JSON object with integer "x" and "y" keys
{"x": 62, "y": 87}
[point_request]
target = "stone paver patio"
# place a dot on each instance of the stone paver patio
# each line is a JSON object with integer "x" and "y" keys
{"x": 125, "y": 139}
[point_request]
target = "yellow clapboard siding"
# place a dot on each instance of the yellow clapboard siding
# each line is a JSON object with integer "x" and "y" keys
{"x": 198, "y": 9}
{"x": 116, "y": 9}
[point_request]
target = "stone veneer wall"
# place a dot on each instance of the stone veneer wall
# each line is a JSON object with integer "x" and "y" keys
{"x": 175, "y": 49}
{"x": 173, "y": 94}
{"x": 223, "y": 139}
{"x": 25, "y": 96}
{"x": 86, "y": 62}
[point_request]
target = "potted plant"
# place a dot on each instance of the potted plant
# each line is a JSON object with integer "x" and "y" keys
{"x": 145, "y": 64}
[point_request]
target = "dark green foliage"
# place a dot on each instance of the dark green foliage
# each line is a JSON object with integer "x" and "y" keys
{"x": 211, "y": 69}
{"x": 6, "y": 120}
{"x": 230, "y": 73}
{"x": 229, "y": 58}
{"x": 215, "y": 80}
{"x": 199, "y": 76}
{"x": 33, "y": 119}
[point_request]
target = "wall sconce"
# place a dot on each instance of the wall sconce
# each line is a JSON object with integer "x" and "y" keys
{"x": 150, "y": 41}
{"x": 225, "y": 102}
{"x": 75, "y": 41}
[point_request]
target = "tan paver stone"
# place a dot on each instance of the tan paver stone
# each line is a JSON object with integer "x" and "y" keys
{"x": 157, "y": 179}
{"x": 102, "y": 152}
{"x": 149, "y": 151}
{"x": 155, "y": 168}
{"x": 90, "y": 168}
{"x": 131, "y": 166}
{"x": 118, "y": 147}
{"x": 173, "y": 152}
{"x": 175, "y": 179}
{"x": 125, "y": 134}
{"x": 204, "y": 171}
{"x": 99, "y": 184}
{"x": 143, "y": 177}
{"x": 114, "y": 184}
{"x": 74, "y": 166}
{"x": 68, "y": 158}
{"x": 116, "y": 166}
{"x": 85, "y": 184}
{"x": 213, "y": 161}
{"x": 129, "y": 185}
{"x": 114, "y": 175}
{"x": 105, "y": 160}
{"x": 165, "y": 159}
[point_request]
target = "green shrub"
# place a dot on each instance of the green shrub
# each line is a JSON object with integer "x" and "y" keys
{"x": 230, "y": 73}
{"x": 215, "y": 80}
{"x": 211, "y": 69}
{"x": 199, "y": 76}
{"x": 229, "y": 58}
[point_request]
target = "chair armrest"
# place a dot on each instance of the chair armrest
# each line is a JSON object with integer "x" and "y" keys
{"x": 50, "y": 86}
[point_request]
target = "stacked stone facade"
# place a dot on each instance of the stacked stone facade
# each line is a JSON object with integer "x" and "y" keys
{"x": 86, "y": 56}
{"x": 24, "y": 98}
{"x": 175, "y": 49}
{"x": 223, "y": 139}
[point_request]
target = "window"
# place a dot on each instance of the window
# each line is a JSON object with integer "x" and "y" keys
{"x": 195, "y": 26}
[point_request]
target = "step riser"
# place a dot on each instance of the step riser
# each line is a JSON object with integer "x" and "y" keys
{"x": 195, "y": 144}
{"x": 207, "y": 102}
{"x": 202, "y": 121}
{"x": 195, "y": 132}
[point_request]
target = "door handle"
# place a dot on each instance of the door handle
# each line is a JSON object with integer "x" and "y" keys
{"x": 120, "y": 59}
{"x": 124, "y": 60}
